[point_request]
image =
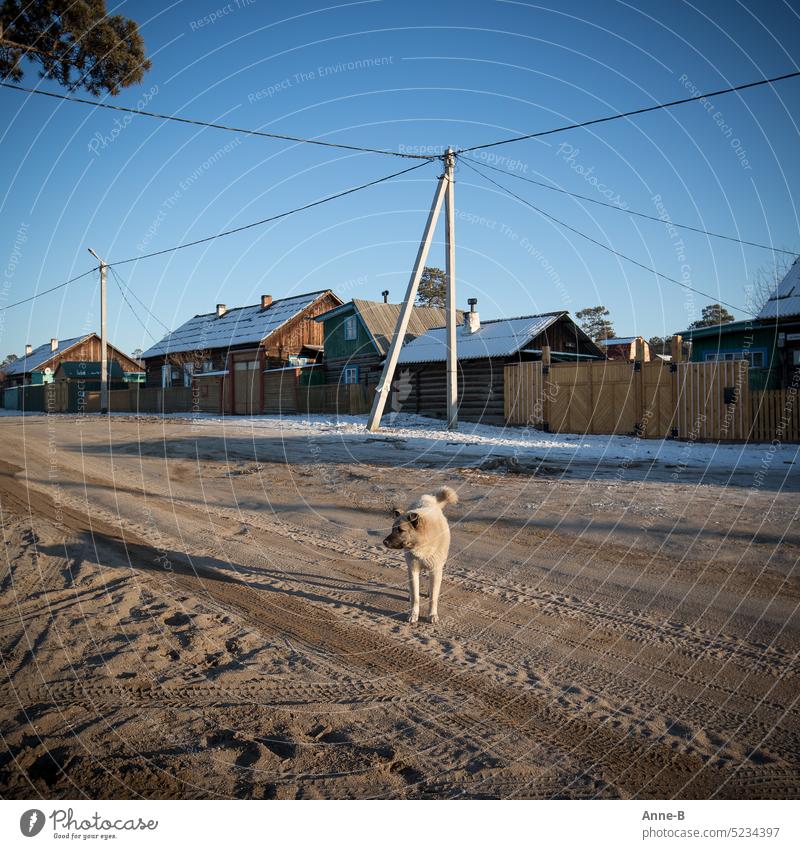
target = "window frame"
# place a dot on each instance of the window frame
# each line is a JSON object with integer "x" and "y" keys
{"x": 350, "y": 328}
{"x": 347, "y": 370}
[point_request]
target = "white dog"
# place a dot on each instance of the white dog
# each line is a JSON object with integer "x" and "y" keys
{"x": 424, "y": 535}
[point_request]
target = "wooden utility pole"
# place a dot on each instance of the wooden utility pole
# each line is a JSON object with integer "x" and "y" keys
{"x": 103, "y": 339}
{"x": 385, "y": 382}
{"x": 450, "y": 300}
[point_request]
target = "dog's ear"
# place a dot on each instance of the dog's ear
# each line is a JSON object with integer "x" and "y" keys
{"x": 414, "y": 519}
{"x": 396, "y": 513}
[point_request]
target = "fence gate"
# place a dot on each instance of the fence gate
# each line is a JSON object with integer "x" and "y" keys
{"x": 713, "y": 400}
{"x": 522, "y": 402}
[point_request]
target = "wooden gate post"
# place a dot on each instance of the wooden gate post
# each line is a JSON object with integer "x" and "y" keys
{"x": 543, "y": 388}
{"x": 638, "y": 385}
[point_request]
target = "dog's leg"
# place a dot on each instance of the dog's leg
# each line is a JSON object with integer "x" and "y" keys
{"x": 436, "y": 585}
{"x": 413, "y": 592}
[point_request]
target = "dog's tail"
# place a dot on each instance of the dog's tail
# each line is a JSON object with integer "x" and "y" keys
{"x": 446, "y": 495}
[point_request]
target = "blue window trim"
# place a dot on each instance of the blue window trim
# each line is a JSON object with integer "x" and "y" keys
{"x": 357, "y": 370}
{"x": 714, "y": 356}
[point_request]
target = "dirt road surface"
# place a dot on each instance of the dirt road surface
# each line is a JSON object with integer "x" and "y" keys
{"x": 201, "y": 611}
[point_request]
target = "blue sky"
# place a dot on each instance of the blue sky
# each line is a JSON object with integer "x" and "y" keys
{"x": 405, "y": 75}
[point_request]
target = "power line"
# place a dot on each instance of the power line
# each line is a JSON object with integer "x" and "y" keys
{"x": 272, "y": 217}
{"x": 558, "y": 221}
{"x": 198, "y": 123}
{"x": 47, "y": 291}
{"x": 640, "y": 111}
{"x": 668, "y": 222}
{"x": 118, "y": 281}
{"x": 132, "y": 291}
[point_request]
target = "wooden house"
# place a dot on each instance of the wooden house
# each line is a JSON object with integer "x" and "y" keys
{"x": 483, "y": 350}
{"x": 38, "y": 365}
{"x": 358, "y": 335}
{"x": 624, "y": 348}
{"x": 770, "y": 342}
{"x": 234, "y": 359}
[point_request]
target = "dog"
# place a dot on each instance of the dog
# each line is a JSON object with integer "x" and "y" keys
{"x": 424, "y": 535}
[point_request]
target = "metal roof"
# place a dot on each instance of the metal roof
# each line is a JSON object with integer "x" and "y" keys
{"x": 785, "y": 300}
{"x": 238, "y": 326}
{"x": 41, "y": 355}
{"x": 501, "y": 337}
{"x": 618, "y": 340}
{"x": 380, "y": 321}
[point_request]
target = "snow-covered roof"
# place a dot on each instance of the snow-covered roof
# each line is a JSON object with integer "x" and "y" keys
{"x": 501, "y": 337}
{"x": 41, "y": 355}
{"x": 238, "y": 326}
{"x": 785, "y": 300}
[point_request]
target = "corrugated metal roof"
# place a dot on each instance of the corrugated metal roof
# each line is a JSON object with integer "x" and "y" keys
{"x": 238, "y": 326}
{"x": 499, "y": 338}
{"x": 39, "y": 356}
{"x": 785, "y": 300}
{"x": 618, "y": 340}
{"x": 380, "y": 321}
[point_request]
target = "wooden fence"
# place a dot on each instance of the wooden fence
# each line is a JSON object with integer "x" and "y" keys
{"x": 653, "y": 400}
{"x": 345, "y": 398}
{"x": 775, "y": 415}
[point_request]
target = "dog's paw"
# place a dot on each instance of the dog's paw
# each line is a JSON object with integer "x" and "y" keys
{"x": 413, "y": 618}
{"x": 434, "y": 619}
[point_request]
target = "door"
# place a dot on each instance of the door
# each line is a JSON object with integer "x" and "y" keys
{"x": 247, "y": 387}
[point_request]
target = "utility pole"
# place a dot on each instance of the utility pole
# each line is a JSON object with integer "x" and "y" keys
{"x": 385, "y": 382}
{"x": 103, "y": 340}
{"x": 450, "y": 300}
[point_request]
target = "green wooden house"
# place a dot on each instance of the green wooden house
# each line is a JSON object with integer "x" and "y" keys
{"x": 770, "y": 342}
{"x": 357, "y": 336}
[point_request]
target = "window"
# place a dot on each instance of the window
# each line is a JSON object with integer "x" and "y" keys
{"x": 208, "y": 365}
{"x": 188, "y": 371}
{"x": 166, "y": 376}
{"x": 350, "y": 329}
{"x": 796, "y": 356}
{"x": 755, "y": 358}
{"x": 350, "y": 374}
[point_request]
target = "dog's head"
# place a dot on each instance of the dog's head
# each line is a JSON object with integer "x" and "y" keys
{"x": 405, "y": 530}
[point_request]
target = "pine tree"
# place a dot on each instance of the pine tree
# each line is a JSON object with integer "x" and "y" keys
{"x": 712, "y": 315}
{"x": 432, "y": 290}
{"x": 76, "y": 43}
{"x": 595, "y": 323}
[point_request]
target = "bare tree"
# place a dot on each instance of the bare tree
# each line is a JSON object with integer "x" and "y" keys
{"x": 765, "y": 282}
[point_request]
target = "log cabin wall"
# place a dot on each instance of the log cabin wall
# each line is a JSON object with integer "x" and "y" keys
{"x": 369, "y": 364}
{"x": 421, "y": 388}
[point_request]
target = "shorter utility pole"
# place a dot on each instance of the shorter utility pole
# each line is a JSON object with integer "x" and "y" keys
{"x": 103, "y": 340}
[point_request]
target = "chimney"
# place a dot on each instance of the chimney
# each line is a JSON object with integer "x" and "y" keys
{"x": 54, "y": 344}
{"x": 266, "y": 301}
{"x": 28, "y": 350}
{"x": 385, "y": 294}
{"x": 472, "y": 321}
{"x": 221, "y": 310}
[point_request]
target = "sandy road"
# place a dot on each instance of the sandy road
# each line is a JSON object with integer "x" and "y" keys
{"x": 209, "y": 612}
